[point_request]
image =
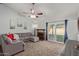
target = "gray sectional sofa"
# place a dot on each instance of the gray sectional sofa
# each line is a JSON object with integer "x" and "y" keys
{"x": 25, "y": 36}
{"x": 11, "y": 49}
{"x": 16, "y": 47}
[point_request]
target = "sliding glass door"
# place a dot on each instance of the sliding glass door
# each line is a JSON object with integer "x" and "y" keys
{"x": 51, "y": 32}
{"x": 56, "y": 31}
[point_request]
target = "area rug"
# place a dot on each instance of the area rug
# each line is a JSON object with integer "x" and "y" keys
{"x": 41, "y": 48}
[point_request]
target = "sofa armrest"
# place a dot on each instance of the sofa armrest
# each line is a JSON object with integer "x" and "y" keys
{"x": 12, "y": 48}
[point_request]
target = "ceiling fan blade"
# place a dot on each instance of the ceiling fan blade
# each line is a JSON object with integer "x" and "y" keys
{"x": 39, "y": 13}
{"x": 36, "y": 16}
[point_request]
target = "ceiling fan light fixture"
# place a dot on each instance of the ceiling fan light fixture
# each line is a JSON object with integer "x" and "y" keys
{"x": 40, "y": 13}
{"x": 33, "y": 16}
{"x": 34, "y": 12}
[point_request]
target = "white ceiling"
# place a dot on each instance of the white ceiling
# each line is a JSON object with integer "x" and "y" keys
{"x": 49, "y": 9}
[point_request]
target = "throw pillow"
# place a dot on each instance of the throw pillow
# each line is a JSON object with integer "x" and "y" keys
{"x": 6, "y": 40}
{"x": 9, "y": 40}
{"x": 11, "y": 36}
{"x": 16, "y": 37}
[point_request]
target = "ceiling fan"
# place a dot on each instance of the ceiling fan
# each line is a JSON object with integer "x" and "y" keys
{"x": 33, "y": 12}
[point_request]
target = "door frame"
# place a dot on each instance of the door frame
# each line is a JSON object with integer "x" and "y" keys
{"x": 47, "y": 24}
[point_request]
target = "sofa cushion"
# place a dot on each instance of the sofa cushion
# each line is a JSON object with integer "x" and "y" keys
{"x": 24, "y": 36}
{"x": 6, "y": 39}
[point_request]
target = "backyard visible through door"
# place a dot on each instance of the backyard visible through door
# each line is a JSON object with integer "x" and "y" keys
{"x": 56, "y": 31}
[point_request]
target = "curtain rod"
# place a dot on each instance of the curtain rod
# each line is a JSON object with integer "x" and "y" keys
{"x": 60, "y": 20}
